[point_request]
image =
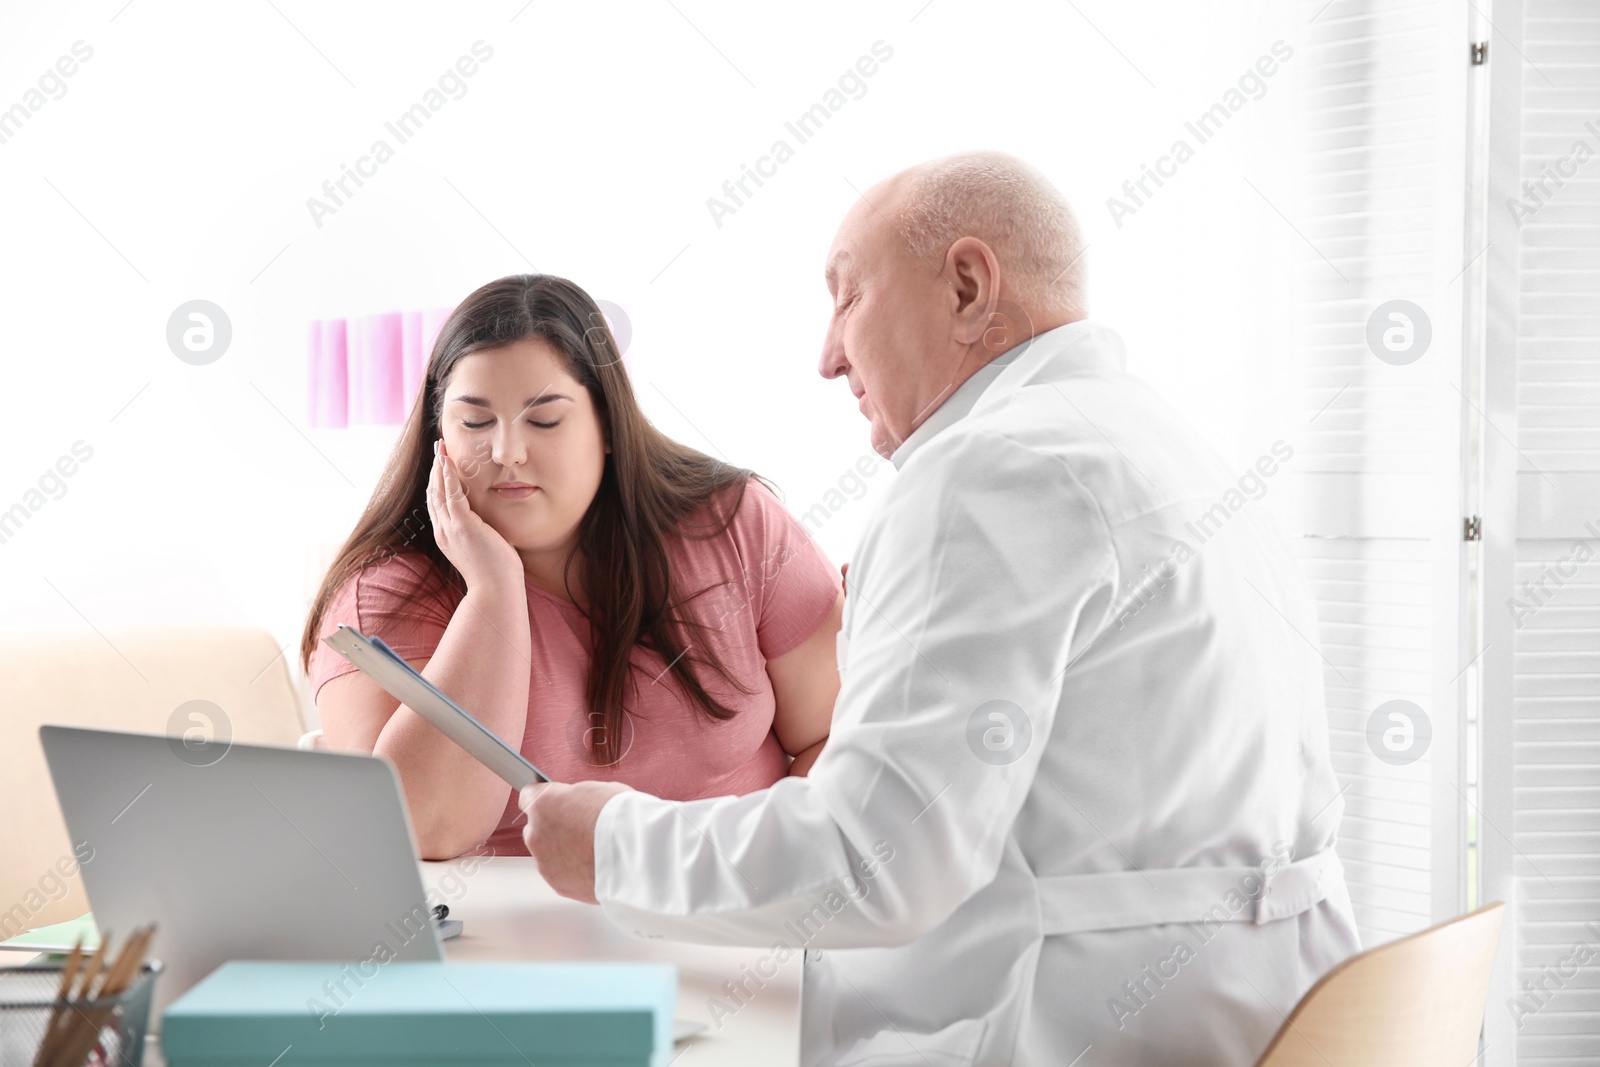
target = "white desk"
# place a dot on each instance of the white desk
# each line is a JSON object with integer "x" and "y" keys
{"x": 508, "y": 912}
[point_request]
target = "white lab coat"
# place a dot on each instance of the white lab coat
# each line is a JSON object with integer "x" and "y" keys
{"x": 1063, "y": 755}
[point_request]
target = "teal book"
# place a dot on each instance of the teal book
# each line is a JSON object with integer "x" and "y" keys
{"x": 425, "y": 1015}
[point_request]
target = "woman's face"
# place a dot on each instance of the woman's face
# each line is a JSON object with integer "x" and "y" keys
{"x": 527, "y": 440}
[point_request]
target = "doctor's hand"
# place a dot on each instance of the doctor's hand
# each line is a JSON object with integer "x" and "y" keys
{"x": 560, "y": 832}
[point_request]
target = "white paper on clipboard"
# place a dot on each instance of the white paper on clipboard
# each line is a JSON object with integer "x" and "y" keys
{"x": 400, "y": 680}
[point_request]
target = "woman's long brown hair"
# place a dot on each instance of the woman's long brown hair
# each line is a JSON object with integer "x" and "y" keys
{"x": 650, "y": 488}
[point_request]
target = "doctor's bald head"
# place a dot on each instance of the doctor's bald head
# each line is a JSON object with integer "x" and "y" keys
{"x": 936, "y": 271}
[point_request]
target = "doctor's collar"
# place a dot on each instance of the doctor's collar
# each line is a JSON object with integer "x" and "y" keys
{"x": 1016, "y": 364}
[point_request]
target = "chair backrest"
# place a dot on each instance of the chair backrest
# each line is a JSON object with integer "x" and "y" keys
{"x": 139, "y": 680}
{"x": 1417, "y": 1000}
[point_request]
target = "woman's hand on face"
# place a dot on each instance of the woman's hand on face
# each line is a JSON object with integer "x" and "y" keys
{"x": 485, "y": 559}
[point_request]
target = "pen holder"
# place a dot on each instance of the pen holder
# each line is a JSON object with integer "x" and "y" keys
{"x": 28, "y": 994}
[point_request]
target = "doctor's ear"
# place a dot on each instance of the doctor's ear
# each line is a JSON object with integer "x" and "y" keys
{"x": 973, "y": 293}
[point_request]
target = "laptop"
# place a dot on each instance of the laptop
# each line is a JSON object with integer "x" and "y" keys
{"x": 243, "y": 852}
{"x": 240, "y": 851}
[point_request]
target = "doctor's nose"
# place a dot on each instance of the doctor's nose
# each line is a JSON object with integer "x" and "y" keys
{"x": 832, "y": 363}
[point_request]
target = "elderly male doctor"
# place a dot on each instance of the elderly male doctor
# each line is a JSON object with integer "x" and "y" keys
{"x": 1077, "y": 799}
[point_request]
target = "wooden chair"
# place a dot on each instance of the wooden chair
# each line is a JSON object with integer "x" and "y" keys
{"x": 1416, "y": 1001}
{"x": 134, "y": 679}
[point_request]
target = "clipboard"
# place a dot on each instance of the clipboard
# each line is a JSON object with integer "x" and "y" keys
{"x": 400, "y": 680}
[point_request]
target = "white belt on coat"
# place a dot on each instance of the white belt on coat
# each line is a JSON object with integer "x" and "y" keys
{"x": 1112, "y": 900}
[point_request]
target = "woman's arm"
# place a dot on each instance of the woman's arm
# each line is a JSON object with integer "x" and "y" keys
{"x": 481, "y": 663}
{"x": 455, "y": 802}
{"x": 805, "y": 683}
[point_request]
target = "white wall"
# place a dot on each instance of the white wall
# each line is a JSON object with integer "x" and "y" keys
{"x": 179, "y": 160}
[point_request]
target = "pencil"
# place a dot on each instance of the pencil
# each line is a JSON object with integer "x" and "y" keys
{"x": 68, "y": 973}
{"x": 74, "y": 1027}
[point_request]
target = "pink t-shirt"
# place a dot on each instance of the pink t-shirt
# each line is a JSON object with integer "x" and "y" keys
{"x": 773, "y": 588}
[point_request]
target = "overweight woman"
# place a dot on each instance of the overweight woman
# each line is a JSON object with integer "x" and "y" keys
{"x": 612, "y": 603}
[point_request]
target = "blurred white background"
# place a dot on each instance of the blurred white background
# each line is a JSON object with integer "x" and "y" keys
{"x": 1380, "y": 165}
{"x": 178, "y": 162}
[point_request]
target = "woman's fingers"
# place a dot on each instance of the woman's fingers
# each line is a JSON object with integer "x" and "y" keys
{"x": 455, "y": 493}
{"x": 438, "y": 501}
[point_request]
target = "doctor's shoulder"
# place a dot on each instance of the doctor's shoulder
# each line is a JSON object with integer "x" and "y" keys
{"x": 985, "y": 478}
{"x": 978, "y": 450}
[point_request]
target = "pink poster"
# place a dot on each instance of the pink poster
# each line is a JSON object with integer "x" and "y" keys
{"x": 376, "y": 378}
{"x": 369, "y": 370}
{"x": 328, "y": 388}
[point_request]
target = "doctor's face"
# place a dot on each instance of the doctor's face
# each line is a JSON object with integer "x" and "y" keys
{"x": 886, "y": 336}
{"x": 528, "y": 440}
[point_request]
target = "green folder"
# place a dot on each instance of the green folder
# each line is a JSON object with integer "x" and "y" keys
{"x": 58, "y": 937}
